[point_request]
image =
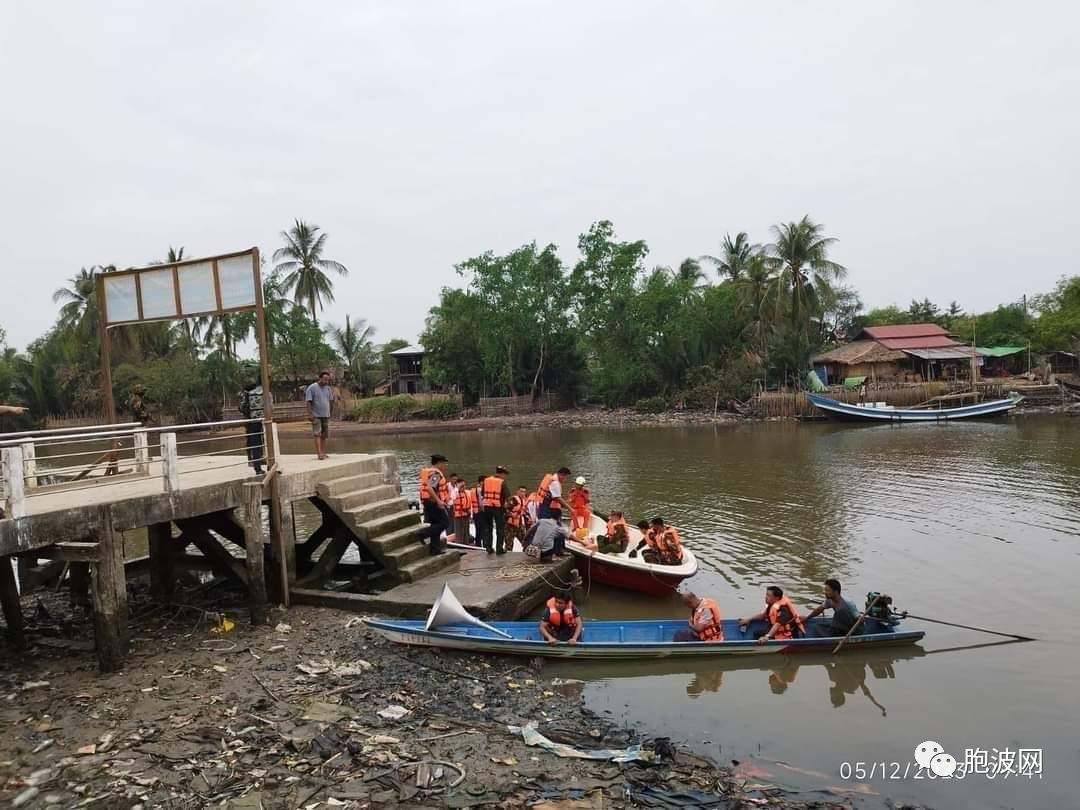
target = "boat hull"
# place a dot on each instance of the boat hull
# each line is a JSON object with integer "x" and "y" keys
{"x": 624, "y": 571}
{"x": 634, "y": 640}
{"x": 850, "y": 412}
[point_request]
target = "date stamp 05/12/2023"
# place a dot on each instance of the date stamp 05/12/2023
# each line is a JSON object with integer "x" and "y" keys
{"x": 931, "y": 762}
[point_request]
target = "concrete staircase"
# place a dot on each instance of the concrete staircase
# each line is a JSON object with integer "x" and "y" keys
{"x": 381, "y": 520}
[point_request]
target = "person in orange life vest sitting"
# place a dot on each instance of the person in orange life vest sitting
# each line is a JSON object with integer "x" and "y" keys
{"x": 462, "y": 509}
{"x": 615, "y": 538}
{"x": 649, "y": 554}
{"x": 516, "y": 517}
{"x": 580, "y": 506}
{"x": 560, "y": 621}
{"x": 663, "y": 542}
{"x": 435, "y": 496}
{"x": 551, "y": 494}
{"x": 781, "y": 615}
{"x": 705, "y": 622}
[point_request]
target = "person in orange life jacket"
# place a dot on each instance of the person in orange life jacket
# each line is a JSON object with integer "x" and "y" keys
{"x": 532, "y": 508}
{"x": 551, "y": 491}
{"x": 781, "y": 615}
{"x": 663, "y": 541}
{"x": 705, "y": 622}
{"x": 435, "y": 496}
{"x": 494, "y": 493}
{"x": 560, "y": 621}
{"x": 515, "y": 517}
{"x": 477, "y": 507}
{"x": 650, "y": 554}
{"x": 580, "y": 505}
{"x": 462, "y": 512}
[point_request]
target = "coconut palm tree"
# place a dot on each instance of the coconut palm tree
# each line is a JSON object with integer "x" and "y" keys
{"x": 734, "y": 255}
{"x": 799, "y": 257}
{"x": 754, "y": 290}
{"x": 302, "y": 261}
{"x": 353, "y": 343}
{"x": 78, "y": 297}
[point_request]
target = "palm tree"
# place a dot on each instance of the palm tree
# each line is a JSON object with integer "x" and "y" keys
{"x": 754, "y": 289}
{"x": 304, "y": 266}
{"x": 353, "y": 343}
{"x": 735, "y": 255}
{"x": 690, "y": 273}
{"x": 800, "y": 258}
{"x": 78, "y": 297}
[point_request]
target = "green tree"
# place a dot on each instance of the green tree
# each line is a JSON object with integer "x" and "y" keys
{"x": 925, "y": 311}
{"x": 735, "y": 256}
{"x": 305, "y": 269}
{"x": 452, "y": 343}
{"x": 756, "y": 291}
{"x": 353, "y": 343}
{"x": 799, "y": 255}
{"x": 299, "y": 351}
{"x": 884, "y": 316}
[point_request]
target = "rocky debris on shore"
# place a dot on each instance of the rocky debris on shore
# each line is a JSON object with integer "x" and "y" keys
{"x": 312, "y": 710}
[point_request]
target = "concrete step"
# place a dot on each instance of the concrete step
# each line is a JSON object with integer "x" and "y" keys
{"x": 384, "y": 544}
{"x": 363, "y": 479}
{"x": 361, "y": 497}
{"x": 427, "y": 566}
{"x": 401, "y": 557}
{"x": 379, "y": 526}
{"x": 371, "y": 511}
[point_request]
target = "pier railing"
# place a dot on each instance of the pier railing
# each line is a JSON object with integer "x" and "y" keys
{"x": 46, "y": 461}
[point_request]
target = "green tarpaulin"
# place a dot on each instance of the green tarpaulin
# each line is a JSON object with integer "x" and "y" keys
{"x": 1000, "y": 351}
{"x": 854, "y": 382}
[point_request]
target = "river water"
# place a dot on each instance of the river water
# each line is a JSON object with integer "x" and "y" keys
{"x": 976, "y": 523}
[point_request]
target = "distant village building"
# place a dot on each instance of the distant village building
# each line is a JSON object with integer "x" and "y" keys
{"x": 407, "y": 373}
{"x": 910, "y": 352}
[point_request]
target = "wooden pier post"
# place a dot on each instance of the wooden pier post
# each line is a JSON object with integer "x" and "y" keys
{"x": 253, "y": 545}
{"x": 162, "y": 561}
{"x": 9, "y": 597}
{"x": 110, "y": 596}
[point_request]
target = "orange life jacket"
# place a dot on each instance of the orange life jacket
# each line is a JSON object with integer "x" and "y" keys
{"x": 612, "y": 523}
{"x": 666, "y": 543}
{"x": 544, "y": 491}
{"x": 556, "y": 619}
{"x": 491, "y": 494}
{"x": 713, "y": 631}
{"x": 580, "y": 500}
{"x": 773, "y": 614}
{"x": 515, "y": 508}
{"x": 425, "y": 490}
{"x": 474, "y": 501}
{"x": 461, "y": 503}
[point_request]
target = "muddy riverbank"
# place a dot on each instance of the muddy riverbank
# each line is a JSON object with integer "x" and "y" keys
{"x": 313, "y": 710}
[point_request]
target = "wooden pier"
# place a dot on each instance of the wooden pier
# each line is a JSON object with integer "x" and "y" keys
{"x": 216, "y": 505}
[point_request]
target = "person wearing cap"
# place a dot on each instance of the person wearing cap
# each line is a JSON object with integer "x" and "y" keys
{"x": 435, "y": 496}
{"x": 580, "y": 507}
{"x": 494, "y": 495}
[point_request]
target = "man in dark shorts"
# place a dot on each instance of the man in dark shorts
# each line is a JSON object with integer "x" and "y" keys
{"x": 318, "y": 397}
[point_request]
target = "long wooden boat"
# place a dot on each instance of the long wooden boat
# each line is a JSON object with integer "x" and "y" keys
{"x": 624, "y": 571}
{"x": 628, "y": 640}
{"x": 869, "y": 413}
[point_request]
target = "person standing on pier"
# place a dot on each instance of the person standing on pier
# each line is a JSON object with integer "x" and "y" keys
{"x": 551, "y": 494}
{"x": 494, "y": 493}
{"x": 462, "y": 513}
{"x": 479, "y": 516}
{"x": 435, "y": 496}
{"x": 251, "y": 407}
{"x": 516, "y": 517}
{"x": 318, "y": 397}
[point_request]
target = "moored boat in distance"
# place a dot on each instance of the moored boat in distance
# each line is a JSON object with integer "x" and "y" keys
{"x": 624, "y": 571}
{"x": 879, "y": 412}
{"x": 647, "y": 639}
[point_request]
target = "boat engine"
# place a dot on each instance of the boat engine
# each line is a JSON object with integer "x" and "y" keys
{"x": 882, "y": 611}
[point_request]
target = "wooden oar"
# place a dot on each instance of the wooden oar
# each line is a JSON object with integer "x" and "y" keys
{"x": 855, "y": 626}
{"x": 907, "y": 615}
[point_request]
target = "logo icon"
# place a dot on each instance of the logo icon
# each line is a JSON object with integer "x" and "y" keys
{"x": 932, "y": 756}
{"x": 926, "y": 752}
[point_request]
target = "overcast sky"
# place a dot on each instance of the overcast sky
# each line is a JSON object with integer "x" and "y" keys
{"x": 939, "y": 142}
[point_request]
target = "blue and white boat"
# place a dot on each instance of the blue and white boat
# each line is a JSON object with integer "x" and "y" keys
{"x": 879, "y": 412}
{"x": 628, "y": 640}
